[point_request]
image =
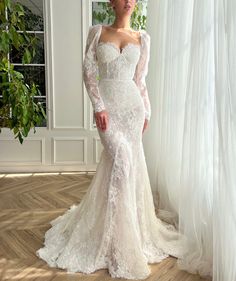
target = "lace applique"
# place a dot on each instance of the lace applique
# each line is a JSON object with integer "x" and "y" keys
{"x": 90, "y": 70}
{"x": 141, "y": 73}
{"x": 115, "y": 225}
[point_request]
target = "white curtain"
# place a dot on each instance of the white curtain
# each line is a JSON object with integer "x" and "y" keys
{"x": 192, "y": 131}
{"x": 225, "y": 132}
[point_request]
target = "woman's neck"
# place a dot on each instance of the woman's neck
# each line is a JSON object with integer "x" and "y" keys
{"x": 121, "y": 22}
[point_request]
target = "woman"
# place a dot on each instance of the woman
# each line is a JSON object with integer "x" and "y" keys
{"x": 115, "y": 226}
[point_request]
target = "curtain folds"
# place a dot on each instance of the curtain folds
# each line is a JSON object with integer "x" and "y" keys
{"x": 224, "y": 217}
{"x": 192, "y": 91}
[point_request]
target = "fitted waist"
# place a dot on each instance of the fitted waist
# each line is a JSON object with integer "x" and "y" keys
{"x": 116, "y": 79}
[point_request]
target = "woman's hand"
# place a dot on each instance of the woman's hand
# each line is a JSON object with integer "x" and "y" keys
{"x": 101, "y": 118}
{"x": 145, "y": 124}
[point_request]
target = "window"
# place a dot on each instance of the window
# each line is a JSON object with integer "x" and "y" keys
{"x": 35, "y": 71}
{"x": 103, "y": 13}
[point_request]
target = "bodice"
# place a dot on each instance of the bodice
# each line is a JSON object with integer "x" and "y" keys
{"x": 114, "y": 63}
{"x": 106, "y": 60}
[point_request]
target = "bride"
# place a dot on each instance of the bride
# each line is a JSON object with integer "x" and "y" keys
{"x": 115, "y": 225}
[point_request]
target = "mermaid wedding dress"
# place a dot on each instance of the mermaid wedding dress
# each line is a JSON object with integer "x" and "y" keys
{"x": 115, "y": 225}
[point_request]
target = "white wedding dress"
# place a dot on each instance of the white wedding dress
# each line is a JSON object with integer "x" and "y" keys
{"x": 115, "y": 225}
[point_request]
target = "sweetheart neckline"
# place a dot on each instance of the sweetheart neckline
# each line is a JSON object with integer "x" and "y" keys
{"x": 120, "y": 50}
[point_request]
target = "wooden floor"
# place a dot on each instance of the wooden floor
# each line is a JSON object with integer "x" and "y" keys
{"x": 27, "y": 203}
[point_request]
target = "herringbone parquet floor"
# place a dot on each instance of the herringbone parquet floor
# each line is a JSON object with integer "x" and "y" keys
{"x": 27, "y": 203}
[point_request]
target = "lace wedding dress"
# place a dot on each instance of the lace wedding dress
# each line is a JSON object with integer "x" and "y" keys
{"x": 115, "y": 225}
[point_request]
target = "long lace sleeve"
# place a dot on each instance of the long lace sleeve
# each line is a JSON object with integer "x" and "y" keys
{"x": 90, "y": 69}
{"x": 141, "y": 72}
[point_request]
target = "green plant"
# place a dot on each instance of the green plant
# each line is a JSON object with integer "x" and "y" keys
{"x": 18, "y": 109}
{"x": 106, "y": 14}
{"x": 138, "y": 20}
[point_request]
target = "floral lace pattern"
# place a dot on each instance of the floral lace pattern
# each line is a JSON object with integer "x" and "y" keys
{"x": 91, "y": 67}
{"x": 115, "y": 225}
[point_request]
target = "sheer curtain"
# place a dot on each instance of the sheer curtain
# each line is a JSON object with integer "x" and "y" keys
{"x": 225, "y": 153}
{"x": 193, "y": 128}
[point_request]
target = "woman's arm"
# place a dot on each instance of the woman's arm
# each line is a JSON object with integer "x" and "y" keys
{"x": 141, "y": 72}
{"x": 90, "y": 70}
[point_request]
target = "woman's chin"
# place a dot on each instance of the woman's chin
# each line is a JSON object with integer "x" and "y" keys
{"x": 128, "y": 10}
